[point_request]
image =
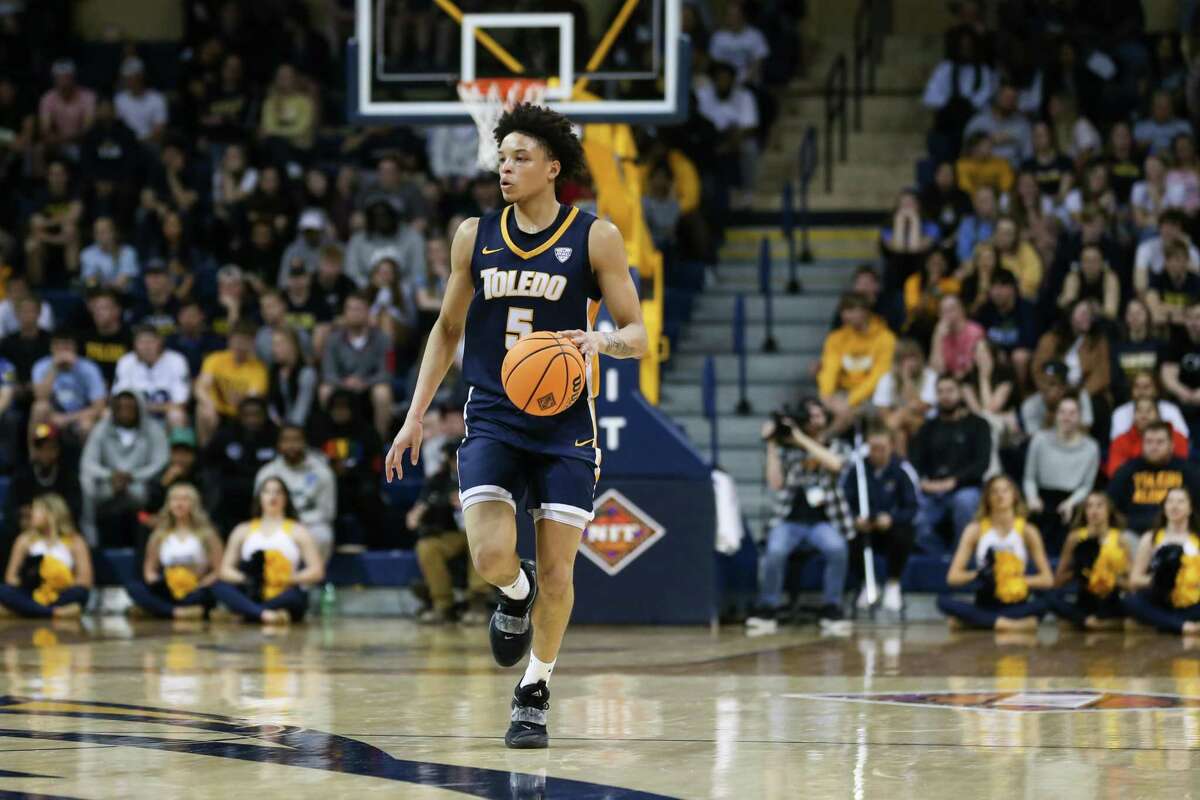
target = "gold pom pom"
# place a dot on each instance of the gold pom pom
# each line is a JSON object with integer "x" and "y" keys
{"x": 277, "y": 573}
{"x": 1187, "y": 583}
{"x": 55, "y": 576}
{"x": 1010, "y": 578}
{"x": 181, "y": 581}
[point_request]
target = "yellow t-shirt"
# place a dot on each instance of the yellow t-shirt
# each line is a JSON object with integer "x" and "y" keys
{"x": 233, "y": 382}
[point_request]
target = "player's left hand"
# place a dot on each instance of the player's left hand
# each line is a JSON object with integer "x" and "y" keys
{"x": 589, "y": 342}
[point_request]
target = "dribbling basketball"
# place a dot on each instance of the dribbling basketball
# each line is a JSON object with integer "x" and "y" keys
{"x": 524, "y": 288}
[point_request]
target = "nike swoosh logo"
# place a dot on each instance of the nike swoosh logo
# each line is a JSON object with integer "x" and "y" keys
{"x": 487, "y": 252}
{"x": 585, "y": 442}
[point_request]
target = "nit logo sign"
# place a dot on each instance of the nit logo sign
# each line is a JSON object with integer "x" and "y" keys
{"x": 619, "y": 532}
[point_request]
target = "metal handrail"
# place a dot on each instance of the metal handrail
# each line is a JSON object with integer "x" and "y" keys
{"x": 764, "y": 287}
{"x": 836, "y": 112}
{"x": 739, "y": 349}
{"x": 708, "y": 396}
{"x": 867, "y": 40}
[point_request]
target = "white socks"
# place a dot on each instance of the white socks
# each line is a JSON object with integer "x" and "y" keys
{"x": 518, "y": 589}
{"x": 537, "y": 670}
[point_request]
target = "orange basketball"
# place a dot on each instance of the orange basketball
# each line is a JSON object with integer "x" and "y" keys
{"x": 543, "y": 374}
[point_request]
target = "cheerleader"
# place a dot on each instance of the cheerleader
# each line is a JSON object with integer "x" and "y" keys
{"x": 269, "y": 561}
{"x": 1095, "y": 558}
{"x": 50, "y": 570}
{"x": 182, "y": 557}
{"x": 1165, "y": 577}
{"x": 1003, "y": 542}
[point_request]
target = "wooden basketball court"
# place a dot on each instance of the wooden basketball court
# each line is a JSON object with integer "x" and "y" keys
{"x": 107, "y": 708}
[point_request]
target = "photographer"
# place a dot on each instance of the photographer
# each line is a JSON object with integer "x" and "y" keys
{"x": 810, "y": 511}
{"x": 437, "y": 519}
{"x": 893, "y": 499}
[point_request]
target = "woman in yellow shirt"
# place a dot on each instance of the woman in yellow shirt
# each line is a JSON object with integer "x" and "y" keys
{"x": 1019, "y": 257}
{"x": 288, "y": 112}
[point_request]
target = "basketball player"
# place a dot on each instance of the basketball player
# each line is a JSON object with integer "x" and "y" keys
{"x": 535, "y": 265}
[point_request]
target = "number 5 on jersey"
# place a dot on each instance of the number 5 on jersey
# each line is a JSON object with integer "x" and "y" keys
{"x": 520, "y": 323}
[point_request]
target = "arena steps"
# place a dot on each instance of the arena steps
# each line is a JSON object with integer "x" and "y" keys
{"x": 801, "y": 322}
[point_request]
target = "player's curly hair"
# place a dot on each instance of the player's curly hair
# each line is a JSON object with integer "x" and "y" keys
{"x": 554, "y": 132}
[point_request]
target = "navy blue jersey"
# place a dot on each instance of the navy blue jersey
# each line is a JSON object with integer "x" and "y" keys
{"x": 525, "y": 283}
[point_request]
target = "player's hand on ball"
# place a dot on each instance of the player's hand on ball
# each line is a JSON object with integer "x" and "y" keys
{"x": 409, "y": 438}
{"x": 588, "y": 342}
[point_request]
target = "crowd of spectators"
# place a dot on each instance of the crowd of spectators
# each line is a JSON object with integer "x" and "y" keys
{"x": 208, "y": 277}
{"x": 1040, "y": 305}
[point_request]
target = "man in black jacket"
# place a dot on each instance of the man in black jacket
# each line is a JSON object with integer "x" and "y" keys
{"x": 234, "y": 455}
{"x": 951, "y": 453}
{"x": 1142, "y": 483}
{"x": 355, "y": 455}
{"x": 893, "y": 499}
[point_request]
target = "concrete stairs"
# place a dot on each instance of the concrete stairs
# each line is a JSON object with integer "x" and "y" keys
{"x": 801, "y": 323}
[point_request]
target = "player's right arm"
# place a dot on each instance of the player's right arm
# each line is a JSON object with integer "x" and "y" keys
{"x": 439, "y": 349}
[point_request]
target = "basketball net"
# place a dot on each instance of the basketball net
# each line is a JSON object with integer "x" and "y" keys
{"x": 487, "y": 99}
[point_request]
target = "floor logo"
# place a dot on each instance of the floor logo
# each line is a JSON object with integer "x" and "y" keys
{"x": 1037, "y": 701}
{"x": 619, "y": 533}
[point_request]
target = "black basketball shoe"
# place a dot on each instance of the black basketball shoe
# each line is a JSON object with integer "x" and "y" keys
{"x": 511, "y": 631}
{"x": 527, "y": 731}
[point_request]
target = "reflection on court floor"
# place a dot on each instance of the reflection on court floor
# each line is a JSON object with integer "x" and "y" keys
{"x": 386, "y": 708}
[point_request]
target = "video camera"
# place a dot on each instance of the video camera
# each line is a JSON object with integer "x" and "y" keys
{"x": 786, "y": 420}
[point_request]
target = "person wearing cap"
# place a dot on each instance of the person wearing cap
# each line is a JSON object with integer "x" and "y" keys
{"x": 46, "y": 470}
{"x": 68, "y": 390}
{"x": 158, "y": 308}
{"x": 226, "y": 378}
{"x": 66, "y": 110}
{"x": 123, "y": 457}
{"x": 1141, "y": 484}
{"x": 1007, "y": 320}
{"x": 1038, "y": 410}
{"x": 143, "y": 109}
{"x": 305, "y": 250}
{"x": 384, "y": 231}
{"x": 183, "y": 466}
{"x": 356, "y": 359}
{"x": 159, "y": 376}
{"x": 106, "y": 262}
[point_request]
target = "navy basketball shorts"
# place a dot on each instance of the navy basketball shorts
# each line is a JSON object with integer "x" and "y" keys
{"x": 555, "y": 487}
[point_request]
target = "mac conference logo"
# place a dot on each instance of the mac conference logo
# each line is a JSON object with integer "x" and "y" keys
{"x": 619, "y": 532}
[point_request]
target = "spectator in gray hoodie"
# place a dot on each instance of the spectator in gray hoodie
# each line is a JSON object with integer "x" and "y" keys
{"x": 356, "y": 359}
{"x": 123, "y": 456}
{"x": 384, "y": 230}
{"x": 310, "y": 482}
